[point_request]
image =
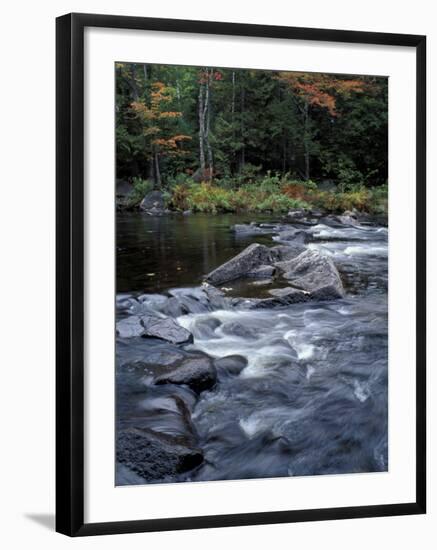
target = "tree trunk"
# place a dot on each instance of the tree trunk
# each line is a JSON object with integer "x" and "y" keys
{"x": 157, "y": 172}
{"x": 208, "y": 123}
{"x": 243, "y": 147}
{"x": 306, "y": 143}
{"x": 233, "y": 96}
{"x": 201, "y": 130}
{"x": 284, "y": 152}
{"x": 204, "y": 122}
{"x": 133, "y": 82}
{"x": 234, "y": 159}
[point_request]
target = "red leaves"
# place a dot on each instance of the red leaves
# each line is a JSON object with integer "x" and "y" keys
{"x": 321, "y": 89}
{"x": 207, "y": 76}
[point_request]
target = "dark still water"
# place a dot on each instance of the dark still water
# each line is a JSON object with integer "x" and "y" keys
{"x": 157, "y": 253}
{"x": 312, "y": 396}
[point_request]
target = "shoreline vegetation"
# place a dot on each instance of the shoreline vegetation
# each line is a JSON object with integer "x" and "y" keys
{"x": 273, "y": 194}
{"x": 217, "y": 140}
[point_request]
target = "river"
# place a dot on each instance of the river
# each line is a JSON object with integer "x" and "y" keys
{"x": 312, "y": 398}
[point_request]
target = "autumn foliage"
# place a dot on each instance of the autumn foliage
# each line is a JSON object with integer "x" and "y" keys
{"x": 320, "y": 90}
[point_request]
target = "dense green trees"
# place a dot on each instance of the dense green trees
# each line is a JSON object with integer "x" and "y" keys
{"x": 235, "y": 124}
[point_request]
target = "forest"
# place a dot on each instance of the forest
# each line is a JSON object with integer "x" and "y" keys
{"x": 221, "y": 139}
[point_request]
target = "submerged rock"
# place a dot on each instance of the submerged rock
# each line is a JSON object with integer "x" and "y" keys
{"x": 233, "y": 364}
{"x": 247, "y": 230}
{"x": 292, "y": 235}
{"x": 153, "y": 456}
{"x": 252, "y": 257}
{"x": 234, "y": 328}
{"x": 198, "y": 373}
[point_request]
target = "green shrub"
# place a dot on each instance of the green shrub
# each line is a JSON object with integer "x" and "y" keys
{"x": 141, "y": 187}
{"x": 272, "y": 193}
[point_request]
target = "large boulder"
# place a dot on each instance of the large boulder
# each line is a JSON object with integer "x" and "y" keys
{"x": 158, "y": 357}
{"x": 153, "y": 203}
{"x": 252, "y": 257}
{"x": 154, "y": 456}
{"x": 282, "y": 252}
{"x": 261, "y": 272}
{"x": 166, "y": 329}
{"x": 313, "y": 273}
{"x": 198, "y": 373}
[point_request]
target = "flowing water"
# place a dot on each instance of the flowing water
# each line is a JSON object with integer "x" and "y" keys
{"x": 313, "y": 396}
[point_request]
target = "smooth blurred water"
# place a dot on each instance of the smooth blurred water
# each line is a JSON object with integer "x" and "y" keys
{"x": 313, "y": 396}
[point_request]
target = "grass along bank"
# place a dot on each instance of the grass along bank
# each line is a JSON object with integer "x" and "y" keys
{"x": 270, "y": 193}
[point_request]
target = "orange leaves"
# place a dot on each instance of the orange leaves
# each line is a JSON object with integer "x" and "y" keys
{"x": 171, "y": 142}
{"x": 182, "y": 138}
{"x": 158, "y": 123}
{"x": 321, "y": 90}
{"x": 160, "y": 94}
{"x": 170, "y": 114}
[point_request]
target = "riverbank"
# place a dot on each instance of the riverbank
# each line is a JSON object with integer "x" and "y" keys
{"x": 268, "y": 195}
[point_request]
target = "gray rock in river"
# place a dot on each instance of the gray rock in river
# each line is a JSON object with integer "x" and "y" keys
{"x": 247, "y": 230}
{"x": 156, "y": 358}
{"x": 233, "y": 328}
{"x": 154, "y": 301}
{"x": 249, "y": 259}
{"x": 204, "y": 327}
{"x": 280, "y": 297}
{"x": 282, "y": 252}
{"x": 261, "y": 272}
{"x": 233, "y": 364}
{"x": 166, "y": 329}
{"x": 198, "y": 373}
{"x": 153, "y": 456}
{"x": 297, "y": 213}
{"x": 151, "y": 325}
{"x": 124, "y": 302}
{"x": 289, "y": 295}
{"x": 292, "y": 235}
{"x": 130, "y": 327}
{"x": 314, "y": 273}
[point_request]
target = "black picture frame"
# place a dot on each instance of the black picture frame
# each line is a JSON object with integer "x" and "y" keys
{"x": 70, "y": 273}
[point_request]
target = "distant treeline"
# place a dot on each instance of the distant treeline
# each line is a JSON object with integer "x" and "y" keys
{"x": 218, "y": 124}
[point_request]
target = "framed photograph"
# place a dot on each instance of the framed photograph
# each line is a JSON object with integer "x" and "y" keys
{"x": 240, "y": 274}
